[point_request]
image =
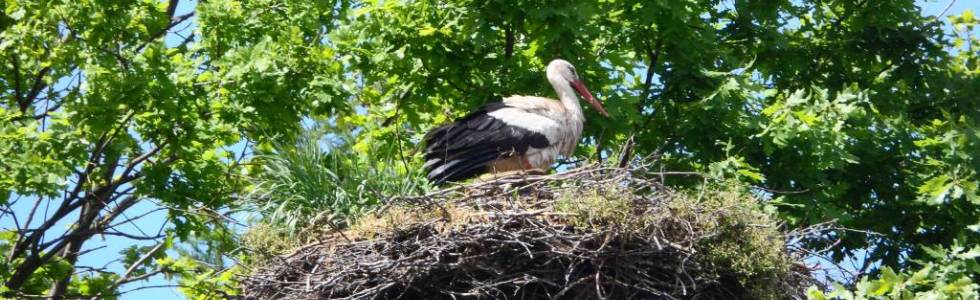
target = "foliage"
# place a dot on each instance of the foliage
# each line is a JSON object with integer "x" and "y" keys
{"x": 319, "y": 183}
{"x": 98, "y": 114}
{"x": 862, "y": 112}
{"x": 950, "y": 275}
{"x": 855, "y": 111}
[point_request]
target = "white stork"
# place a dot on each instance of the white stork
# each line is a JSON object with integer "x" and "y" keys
{"x": 521, "y": 133}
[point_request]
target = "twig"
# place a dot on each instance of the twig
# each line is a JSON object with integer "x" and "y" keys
{"x": 130, "y": 270}
{"x": 946, "y": 9}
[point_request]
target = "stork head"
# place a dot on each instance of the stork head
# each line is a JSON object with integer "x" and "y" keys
{"x": 561, "y": 74}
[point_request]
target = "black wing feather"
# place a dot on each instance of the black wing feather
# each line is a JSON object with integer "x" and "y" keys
{"x": 463, "y": 149}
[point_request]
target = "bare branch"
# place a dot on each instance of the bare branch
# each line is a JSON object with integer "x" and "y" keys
{"x": 142, "y": 277}
{"x": 131, "y": 268}
{"x": 946, "y": 9}
{"x": 145, "y": 287}
{"x": 653, "y": 56}
{"x": 131, "y": 236}
{"x": 140, "y": 159}
{"x": 172, "y": 8}
{"x": 133, "y": 219}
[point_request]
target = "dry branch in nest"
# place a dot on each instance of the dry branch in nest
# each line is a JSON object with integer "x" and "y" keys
{"x": 589, "y": 233}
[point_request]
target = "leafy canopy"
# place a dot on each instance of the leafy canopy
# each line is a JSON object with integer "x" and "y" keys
{"x": 864, "y": 112}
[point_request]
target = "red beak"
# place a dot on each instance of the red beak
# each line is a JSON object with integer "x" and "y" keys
{"x": 584, "y": 92}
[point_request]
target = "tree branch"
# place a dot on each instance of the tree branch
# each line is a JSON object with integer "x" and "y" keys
{"x": 35, "y": 89}
{"x": 115, "y": 54}
{"x": 131, "y": 236}
{"x": 162, "y": 32}
{"x": 27, "y": 224}
{"x": 151, "y": 287}
{"x": 133, "y": 219}
{"x": 72, "y": 246}
{"x": 172, "y": 8}
{"x": 85, "y": 228}
{"x": 91, "y": 205}
{"x": 509, "y": 41}
{"x": 140, "y": 159}
{"x": 68, "y": 204}
{"x": 109, "y": 217}
{"x": 141, "y": 277}
{"x": 17, "y": 82}
{"x": 653, "y": 55}
{"x": 129, "y": 271}
{"x": 48, "y": 111}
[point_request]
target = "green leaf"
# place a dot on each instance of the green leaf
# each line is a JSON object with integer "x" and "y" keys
{"x": 971, "y": 254}
{"x": 814, "y": 293}
{"x": 936, "y": 189}
{"x": 920, "y": 275}
{"x": 427, "y": 30}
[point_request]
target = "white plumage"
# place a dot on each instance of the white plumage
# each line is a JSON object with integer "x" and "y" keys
{"x": 518, "y": 133}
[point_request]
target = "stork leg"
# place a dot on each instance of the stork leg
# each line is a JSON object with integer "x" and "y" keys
{"x": 535, "y": 171}
{"x": 510, "y": 167}
{"x": 511, "y": 173}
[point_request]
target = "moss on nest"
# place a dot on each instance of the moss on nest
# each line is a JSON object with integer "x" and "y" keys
{"x": 591, "y": 233}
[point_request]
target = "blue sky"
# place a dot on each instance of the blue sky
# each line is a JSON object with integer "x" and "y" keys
{"x": 108, "y": 247}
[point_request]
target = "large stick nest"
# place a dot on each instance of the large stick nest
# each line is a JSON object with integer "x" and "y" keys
{"x": 590, "y": 233}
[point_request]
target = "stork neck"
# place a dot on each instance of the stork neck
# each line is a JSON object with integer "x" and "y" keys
{"x": 569, "y": 100}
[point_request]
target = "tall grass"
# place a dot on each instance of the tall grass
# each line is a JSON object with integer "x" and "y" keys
{"x": 320, "y": 183}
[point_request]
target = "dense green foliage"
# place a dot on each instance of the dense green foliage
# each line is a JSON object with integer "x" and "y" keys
{"x": 950, "y": 275}
{"x": 857, "y": 110}
{"x": 98, "y": 114}
{"x": 302, "y": 188}
{"x": 864, "y": 112}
